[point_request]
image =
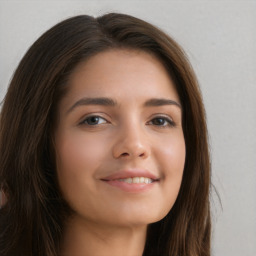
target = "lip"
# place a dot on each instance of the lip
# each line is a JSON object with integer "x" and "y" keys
{"x": 113, "y": 180}
{"x": 130, "y": 173}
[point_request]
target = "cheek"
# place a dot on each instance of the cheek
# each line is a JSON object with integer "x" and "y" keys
{"x": 170, "y": 154}
{"x": 171, "y": 159}
{"x": 80, "y": 153}
{"x": 173, "y": 155}
{"x": 78, "y": 159}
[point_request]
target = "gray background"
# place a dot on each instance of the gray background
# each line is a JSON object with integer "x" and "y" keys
{"x": 220, "y": 39}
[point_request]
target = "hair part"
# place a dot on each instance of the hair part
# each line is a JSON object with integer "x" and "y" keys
{"x": 32, "y": 220}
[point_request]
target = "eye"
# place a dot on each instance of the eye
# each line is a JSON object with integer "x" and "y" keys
{"x": 93, "y": 120}
{"x": 162, "y": 121}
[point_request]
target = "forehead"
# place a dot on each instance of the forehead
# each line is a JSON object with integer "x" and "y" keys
{"x": 121, "y": 74}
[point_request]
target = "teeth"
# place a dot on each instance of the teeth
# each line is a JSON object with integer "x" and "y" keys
{"x": 129, "y": 180}
{"x": 137, "y": 180}
{"x": 142, "y": 180}
{"x": 147, "y": 180}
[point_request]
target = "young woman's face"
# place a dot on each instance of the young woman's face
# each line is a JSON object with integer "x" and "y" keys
{"x": 120, "y": 148}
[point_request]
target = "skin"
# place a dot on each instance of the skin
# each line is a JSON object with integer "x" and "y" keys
{"x": 128, "y": 135}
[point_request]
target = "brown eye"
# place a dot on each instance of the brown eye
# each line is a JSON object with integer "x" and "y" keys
{"x": 93, "y": 120}
{"x": 162, "y": 121}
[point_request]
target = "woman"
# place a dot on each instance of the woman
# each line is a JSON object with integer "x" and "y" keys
{"x": 104, "y": 145}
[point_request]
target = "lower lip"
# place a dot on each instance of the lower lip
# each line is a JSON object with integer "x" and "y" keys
{"x": 130, "y": 187}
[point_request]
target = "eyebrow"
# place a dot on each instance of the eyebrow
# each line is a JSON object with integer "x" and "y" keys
{"x": 161, "y": 102}
{"x": 93, "y": 101}
{"x": 103, "y": 101}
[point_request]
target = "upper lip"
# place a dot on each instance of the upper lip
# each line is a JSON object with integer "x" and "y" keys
{"x": 130, "y": 173}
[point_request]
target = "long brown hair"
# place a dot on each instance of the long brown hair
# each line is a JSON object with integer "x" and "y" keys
{"x": 32, "y": 220}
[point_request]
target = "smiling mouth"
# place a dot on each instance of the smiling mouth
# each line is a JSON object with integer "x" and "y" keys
{"x": 132, "y": 184}
{"x": 132, "y": 180}
{"x": 135, "y": 180}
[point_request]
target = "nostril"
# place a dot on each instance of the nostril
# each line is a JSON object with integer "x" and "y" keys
{"x": 125, "y": 154}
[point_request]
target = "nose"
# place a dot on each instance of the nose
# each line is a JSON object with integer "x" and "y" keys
{"x": 131, "y": 143}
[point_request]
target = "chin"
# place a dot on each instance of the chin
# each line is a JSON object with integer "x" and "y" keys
{"x": 138, "y": 217}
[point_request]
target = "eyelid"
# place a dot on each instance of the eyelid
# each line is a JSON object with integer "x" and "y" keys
{"x": 166, "y": 117}
{"x": 82, "y": 122}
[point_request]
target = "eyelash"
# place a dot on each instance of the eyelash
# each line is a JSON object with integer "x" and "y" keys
{"x": 85, "y": 121}
{"x": 168, "y": 122}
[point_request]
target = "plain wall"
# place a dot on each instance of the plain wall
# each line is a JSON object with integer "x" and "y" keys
{"x": 220, "y": 40}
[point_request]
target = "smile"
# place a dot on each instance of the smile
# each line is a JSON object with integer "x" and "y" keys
{"x": 132, "y": 185}
{"x": 132, "y": 180}
{"x": 137, "y": 180}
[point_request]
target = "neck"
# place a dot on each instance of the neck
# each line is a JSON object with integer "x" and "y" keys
{"x": 91, "y": 239}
